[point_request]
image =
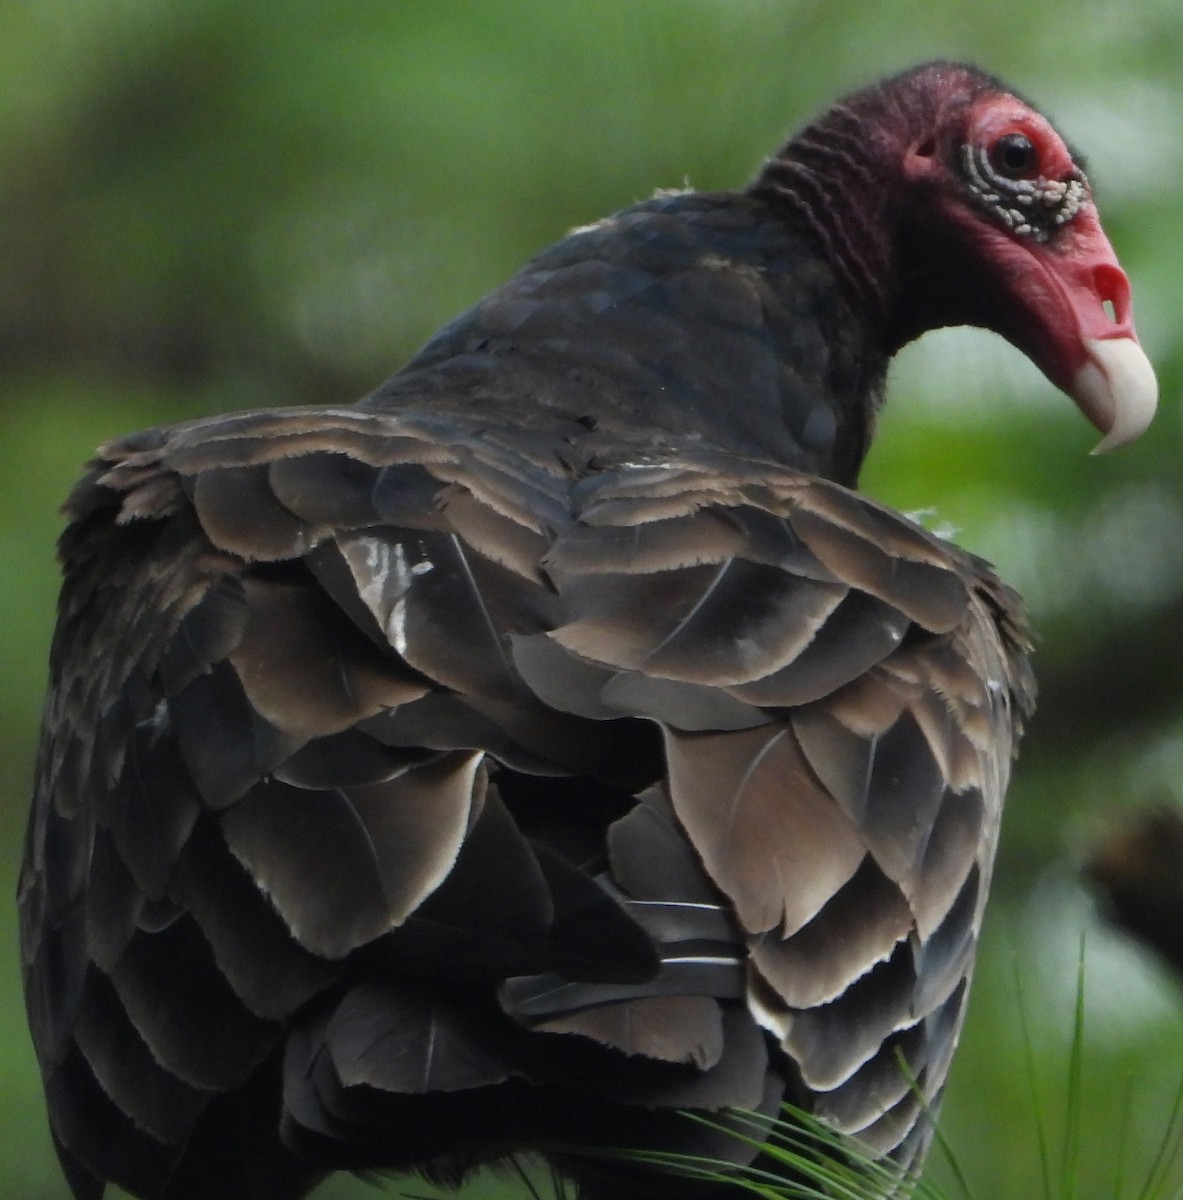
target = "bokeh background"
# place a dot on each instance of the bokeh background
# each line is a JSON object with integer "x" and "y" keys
{"x": 219, "y": 204}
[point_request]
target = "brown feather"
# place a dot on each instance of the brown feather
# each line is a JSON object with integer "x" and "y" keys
{"x": 240, "y": 514}
{"x": 675, "y": 1029}
{"x": 860, "y": 927}
{"x": 386, "y": 1037}
{"x": 774, "y": 842}
{"x": 307, "y": 670}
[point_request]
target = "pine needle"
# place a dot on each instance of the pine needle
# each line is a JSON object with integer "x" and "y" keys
{"x": 1070, "y": 1159}
{"x": 1033, "y": 1084}
{"x": 1168, "y": 1149}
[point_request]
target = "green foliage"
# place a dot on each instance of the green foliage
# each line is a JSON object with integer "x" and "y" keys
{"x": 830, "y": 1166}
{"x": 210, "y": 205}
{"x": 796, "y": 1145}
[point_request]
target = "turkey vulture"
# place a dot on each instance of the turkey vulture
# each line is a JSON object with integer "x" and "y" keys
{"x": 554, "y": 740}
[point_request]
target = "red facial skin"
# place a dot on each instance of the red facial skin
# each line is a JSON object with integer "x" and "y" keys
{"x": 1049, "y": 297}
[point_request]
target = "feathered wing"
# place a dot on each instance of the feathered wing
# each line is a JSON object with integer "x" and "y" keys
{"x": 384, "y": 758}
{"x": 840, "y": 696}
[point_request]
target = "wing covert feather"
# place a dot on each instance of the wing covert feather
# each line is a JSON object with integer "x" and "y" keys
{"x": 853, "y": 829}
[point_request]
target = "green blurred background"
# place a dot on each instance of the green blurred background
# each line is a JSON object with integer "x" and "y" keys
{"x": 218, "y": 204}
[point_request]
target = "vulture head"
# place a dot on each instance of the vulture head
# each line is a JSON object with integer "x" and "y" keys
{"x": 947, "y": 199}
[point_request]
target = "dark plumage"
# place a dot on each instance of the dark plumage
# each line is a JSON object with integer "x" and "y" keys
{"x": 553, "y": 741}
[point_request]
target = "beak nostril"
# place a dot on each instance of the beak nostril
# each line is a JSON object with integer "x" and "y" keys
{"x": 1113, "y": 290}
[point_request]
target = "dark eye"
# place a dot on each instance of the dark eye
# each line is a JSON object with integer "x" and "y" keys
{"x": 1014, "y": 157}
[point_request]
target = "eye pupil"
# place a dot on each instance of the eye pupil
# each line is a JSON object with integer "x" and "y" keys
{"x": 1013, "y": 155}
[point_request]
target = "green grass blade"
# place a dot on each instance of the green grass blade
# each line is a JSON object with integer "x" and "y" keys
{"x": 1033, "y": 1084}
{"x": 938, "y": 1134}
{"x": 1070, "y": 1158}
{"x": 1125, "y": 1115}
{"x": 827, "y": 1165}
{"x": 1167, "y": 1151}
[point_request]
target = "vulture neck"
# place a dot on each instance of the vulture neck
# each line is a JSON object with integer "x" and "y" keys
{"x": 838, "y": 181}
